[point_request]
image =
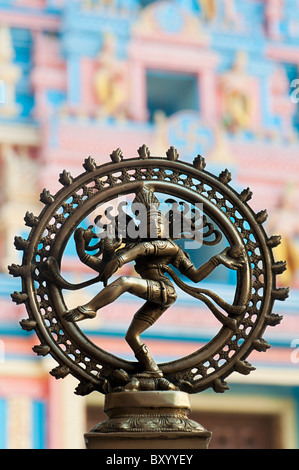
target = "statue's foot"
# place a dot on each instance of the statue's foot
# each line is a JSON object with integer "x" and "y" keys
{"x": 157, "y": 373}
{"x": 150, "y": 368}
{"x": 78, "y": 314}
{"x": 146, "y": 382}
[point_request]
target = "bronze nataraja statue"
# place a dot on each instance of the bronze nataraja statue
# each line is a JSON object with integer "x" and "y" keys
{"x": 152, "y": 257}
{"x": 159, "y": 264}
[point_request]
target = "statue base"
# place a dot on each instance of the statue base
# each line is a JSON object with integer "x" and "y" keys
{"x": 147, "y": 420}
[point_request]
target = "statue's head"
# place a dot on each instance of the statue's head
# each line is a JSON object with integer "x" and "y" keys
{"x": 156, "y": 225}
{"x": 153, "y": 223}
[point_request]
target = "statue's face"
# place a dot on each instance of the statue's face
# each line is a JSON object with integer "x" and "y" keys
{"x": 156, "y": 226}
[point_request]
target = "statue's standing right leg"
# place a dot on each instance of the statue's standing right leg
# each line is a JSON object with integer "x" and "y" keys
{"x": 143, "y": 319}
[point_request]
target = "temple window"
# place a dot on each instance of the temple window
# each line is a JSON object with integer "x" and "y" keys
{"x": 170, "y": 92}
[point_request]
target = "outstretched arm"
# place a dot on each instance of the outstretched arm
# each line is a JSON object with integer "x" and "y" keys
{"x": 82, "y": 238}
{"x": 119, "y": 260}
{"x": 197, "y": 275}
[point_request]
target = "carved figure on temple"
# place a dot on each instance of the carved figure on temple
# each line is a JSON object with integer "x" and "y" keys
{"x": 110, "y": 81}
{"x": 221, "y": 151}
{"x": 209, "y": 9}
{"x": 284, "y": 220}
{"x": 237, "y": 101}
